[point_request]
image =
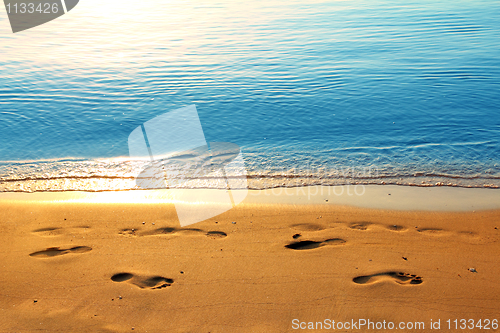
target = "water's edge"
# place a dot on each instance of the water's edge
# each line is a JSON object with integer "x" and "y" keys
{"x": 120, "y": 175}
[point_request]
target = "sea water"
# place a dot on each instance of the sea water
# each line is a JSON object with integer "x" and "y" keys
{"x": 313, "y": 92}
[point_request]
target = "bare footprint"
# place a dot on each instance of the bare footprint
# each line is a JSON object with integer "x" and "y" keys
{"x": 433, "y": 231}
{"x": 471, "y": 237}
{"x": 308, "y": 227}
{"x": 395, "y": 227}
{"x": 53, "y": 232}
{"x": 143, "y": 282}
{"x": 367, "y": 225}
{"x": 56, "y": 251}
{"x": 158, "y": 231}
{"x": 188, "y": 231}
{"x": 128, "y": 232}
{"x": 360, "y": 225}
{"x": 171, "y": 231}
{"x": 398, "y": 277}
{"x": 308, "y": 244}
{"x": 216, "y": 234}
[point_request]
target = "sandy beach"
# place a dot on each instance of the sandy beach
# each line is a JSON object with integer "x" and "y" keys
{"x": 118, "y": 267}
{"x": 249, "y": 166}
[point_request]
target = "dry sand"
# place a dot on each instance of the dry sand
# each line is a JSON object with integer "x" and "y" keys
{"x": 122, "y": 267}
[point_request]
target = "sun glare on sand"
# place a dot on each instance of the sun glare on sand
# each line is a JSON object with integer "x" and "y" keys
{"x": 139, "y": 197}
{"x": 162, "y": 196}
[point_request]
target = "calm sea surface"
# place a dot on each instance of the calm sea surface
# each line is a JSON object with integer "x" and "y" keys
{"x": 314, "y": 92}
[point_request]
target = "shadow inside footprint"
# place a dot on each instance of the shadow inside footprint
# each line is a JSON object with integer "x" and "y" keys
{"x": 398, "y": 277}
{"x": 308, "y": 244}
{"x": 395, "y": 227}
{"x": 56, "y": 231}
{"x": 153, "y": 282}
{"x": 172, "y": 231}
{"x": 360, "y": 225}
{"x": 159, "y": 231}
{"x": 143, "y": 282}
{"x": 120, "y": 277}
{"x": 216, "y": 234}
{"x": 189, "y": 231}
{"x": 433, "y": 231}
{"x": 56, "y": 251}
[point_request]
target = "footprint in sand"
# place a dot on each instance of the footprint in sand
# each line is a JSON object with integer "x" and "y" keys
{"x": 471, "y": 237}
{"x": 53, "y": 232}
{"x": 434, "y": 231}
{"x": 308, "y": 227}
{"x": 172, "y": 231}
{"x": 360, "y": 225}
{"x": 368, "y": 225}
{"x": 468, "y": 236}
{"x": 308, "y": 244}
{"x": 395, "y": 227}
{"x": 398, "y": 277}
{"x": 56, "y": 251}
{"x": 216, "y": 234}
{"x": 143, "y": 282}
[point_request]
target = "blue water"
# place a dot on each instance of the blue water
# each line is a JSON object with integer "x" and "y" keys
{"x": 314, "y": 92}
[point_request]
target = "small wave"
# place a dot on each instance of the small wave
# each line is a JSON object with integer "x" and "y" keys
{"x": 254, "y": 181}
{"x": 265, "y": 170}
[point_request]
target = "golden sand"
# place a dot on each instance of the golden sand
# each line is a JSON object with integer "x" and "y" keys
{"x": 118, "y": 267}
